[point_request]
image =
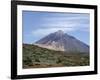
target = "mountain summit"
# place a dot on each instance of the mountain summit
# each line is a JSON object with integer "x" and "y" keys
{"x": 61, "y": 41}
{"x": 59, "y": 32}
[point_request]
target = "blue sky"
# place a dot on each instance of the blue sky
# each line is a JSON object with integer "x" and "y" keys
{"x": 36, "y": 25}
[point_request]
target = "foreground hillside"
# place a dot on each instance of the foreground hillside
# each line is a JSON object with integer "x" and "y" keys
{"x": 37, "y": 57}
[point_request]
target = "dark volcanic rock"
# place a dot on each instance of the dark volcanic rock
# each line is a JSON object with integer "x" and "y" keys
{"x": 61, "y": 41}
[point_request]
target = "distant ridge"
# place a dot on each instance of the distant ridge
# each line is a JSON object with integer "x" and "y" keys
{"x": 61, "y": 41}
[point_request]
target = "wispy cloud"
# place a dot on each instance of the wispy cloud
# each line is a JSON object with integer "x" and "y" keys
{"x": 70, "y": 23}
{"x": 46, "y": 31}
{"x": 41, "y": 24}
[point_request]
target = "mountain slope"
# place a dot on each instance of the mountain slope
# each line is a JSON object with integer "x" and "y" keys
{"x": 61, "y": 41}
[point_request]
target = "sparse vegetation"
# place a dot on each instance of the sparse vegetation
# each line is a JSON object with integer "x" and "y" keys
{"x": 37, "y": 57}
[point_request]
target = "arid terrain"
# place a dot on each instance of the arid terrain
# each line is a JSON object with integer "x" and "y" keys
{"x": 37, "y": 57}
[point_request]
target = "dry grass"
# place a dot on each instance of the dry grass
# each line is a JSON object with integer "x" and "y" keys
{"x": 37, "y": 57}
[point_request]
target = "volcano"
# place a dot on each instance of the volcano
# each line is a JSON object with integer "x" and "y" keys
{"x": 61, "y": 41}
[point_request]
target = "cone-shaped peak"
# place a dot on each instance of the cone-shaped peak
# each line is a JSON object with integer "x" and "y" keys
{"x": 62, "y": 42}
{"x": 60, "y": 32}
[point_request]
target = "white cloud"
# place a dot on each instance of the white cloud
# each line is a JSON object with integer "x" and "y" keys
{"x": 54, "y": 23}
{"x": 65, "y": 22}
{"x": 43, "y": 32}
{"x": 65, "y": 18}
